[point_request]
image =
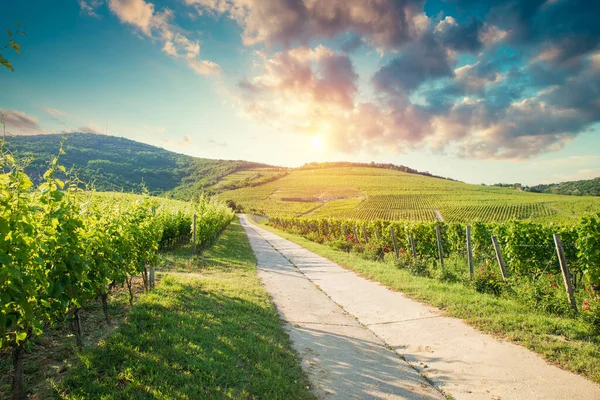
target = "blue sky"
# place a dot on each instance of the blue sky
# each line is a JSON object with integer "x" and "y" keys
{"x": 506, "y": 91}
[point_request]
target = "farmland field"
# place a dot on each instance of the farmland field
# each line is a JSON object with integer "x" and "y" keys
{"x": 375, "y": 193}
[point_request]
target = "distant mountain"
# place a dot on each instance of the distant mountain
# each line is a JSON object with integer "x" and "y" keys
{"x": 112, "y": 163}
{"x": 589, "y": 187}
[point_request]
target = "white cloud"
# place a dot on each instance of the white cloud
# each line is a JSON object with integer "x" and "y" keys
{"x": 134, "y": 12}
{"x": 204, "y": 67}
{"x": 157, "y": 25}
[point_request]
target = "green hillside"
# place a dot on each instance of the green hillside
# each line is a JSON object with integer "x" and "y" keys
{"x": 377, "y": 193}
{"x": 590, "y": 187}
{"x": 344, "y": 190}
{"x": 112, "y": 163}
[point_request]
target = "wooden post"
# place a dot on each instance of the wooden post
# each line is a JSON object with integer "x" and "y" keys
{"x": 413, "y": 247}
{"x": 565, "y": 271}
{"x": 469, "y": 251}
{"x": 345, "y": 231}
{"x": 365, "y": 234}
{"x": 151, "y": 277}
{"x": 499, "y": 257}
{"x": 438, "y": 234}
{"x": 194, "y": 233}
{"x": 394, "y": 241}
{"x": 356, "y": 235}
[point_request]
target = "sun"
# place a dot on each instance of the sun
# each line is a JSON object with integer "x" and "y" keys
{"x": 317, "y": 142}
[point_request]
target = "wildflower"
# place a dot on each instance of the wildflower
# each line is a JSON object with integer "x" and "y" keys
{"x": 550, "y": 275}
{"x": 483, "y": 265}
{"x": 586, "y": 306}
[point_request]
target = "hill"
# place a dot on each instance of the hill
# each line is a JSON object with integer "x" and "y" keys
{"x": 361, "y": 192}
{"x": 590, "y": 187}
{"x": 344, "y": 190}
{"x": 117, "y": 164}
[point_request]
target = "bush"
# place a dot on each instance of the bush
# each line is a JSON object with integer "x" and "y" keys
{"x": 342, "y": 244}
{"x": 545, "y": 292}
{"x": 488, "y": 280}
{"x": 590, "y": 311}
{"x": 375, "y": 251}
{"x": 419, "y": 268}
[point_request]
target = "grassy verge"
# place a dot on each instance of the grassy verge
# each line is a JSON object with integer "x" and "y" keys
{"x": 210, "y": 333}
{"x": 567, "y": 342}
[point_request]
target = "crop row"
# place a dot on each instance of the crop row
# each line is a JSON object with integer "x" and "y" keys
{"x": 528, "y": 248}
{"x": 60, "y": 250}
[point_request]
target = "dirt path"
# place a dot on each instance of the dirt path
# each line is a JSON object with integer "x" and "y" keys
{"x": 333, "y": 313}
{"x": 343, "y": 359}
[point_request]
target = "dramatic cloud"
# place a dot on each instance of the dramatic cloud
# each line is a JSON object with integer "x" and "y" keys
{"x": 500, "y": 79}
{"x": 382, "y": 23}
{"x": 19, "y": 123}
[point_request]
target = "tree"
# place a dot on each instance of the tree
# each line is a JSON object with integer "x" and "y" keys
{"x": 11, "y": 43}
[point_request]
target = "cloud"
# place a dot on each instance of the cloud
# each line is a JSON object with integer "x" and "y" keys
{"x": 382, "y": 23}
{"x": 421, "y": 61}
{"x": 89, "y": 7}
{"x": 134, "y": 12}
{"x": 319, "y": 75}
{"x": 505, "y": 79}
{"x": 19, "y": 123}
{"x": 158, "y": 26}
{"x": 55, "y": 112}
{"x": 204, "y": 67}
{"x": 91, "y": 128}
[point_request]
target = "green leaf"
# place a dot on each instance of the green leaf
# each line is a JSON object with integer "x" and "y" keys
{"x": 21, "y": 336}
{"x": 6, "y": 63}
{"x": 15, "y": 46}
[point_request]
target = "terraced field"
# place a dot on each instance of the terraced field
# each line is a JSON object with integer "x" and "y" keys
{"x": 375, "y": 193}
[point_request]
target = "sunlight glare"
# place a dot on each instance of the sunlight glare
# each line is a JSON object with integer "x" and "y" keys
{"x": 317, "y": 142}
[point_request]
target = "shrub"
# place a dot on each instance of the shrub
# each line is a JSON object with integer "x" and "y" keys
{"x": 488, "y": 280}
{"x": 590, "y": 311}
{"x": 545, "y": 292}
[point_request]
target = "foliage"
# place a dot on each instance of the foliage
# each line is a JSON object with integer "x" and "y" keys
{"x": 591, "y": 310}
{"x": 589, "y": 187}
{"x": 545, "y": 292}
{"x": 11, "y": 44}
{"x": 588, "y": 246}
{"x": 59, "y": 251}
{"x": 488, "y": 280}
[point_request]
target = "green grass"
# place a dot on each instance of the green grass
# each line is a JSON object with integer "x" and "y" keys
{"x": 567, "y": 342}
{"x": 213, "y": 333}
{"x": 376, "y": 193}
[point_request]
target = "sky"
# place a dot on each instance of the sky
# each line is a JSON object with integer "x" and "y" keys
{"x": 480, "y": 91}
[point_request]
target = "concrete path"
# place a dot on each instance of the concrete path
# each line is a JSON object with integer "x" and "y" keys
{"x": 339, "y": 321}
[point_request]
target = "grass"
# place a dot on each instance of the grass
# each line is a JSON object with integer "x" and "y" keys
{"x": 210, "y": 333}
{"x": 564, "y": 341}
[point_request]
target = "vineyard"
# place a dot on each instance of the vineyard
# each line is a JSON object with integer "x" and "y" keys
{"x": 525, "y": 264}
{"x": 62, "y": 248}
{"x": 374, "y": 193}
